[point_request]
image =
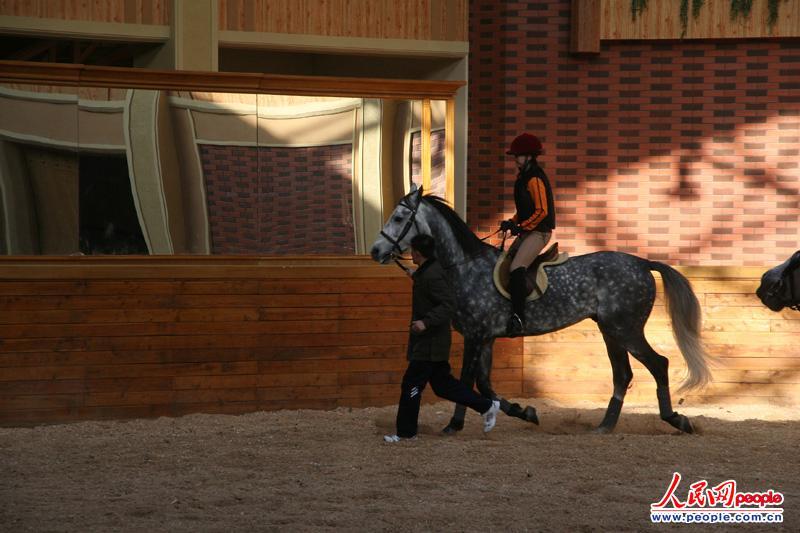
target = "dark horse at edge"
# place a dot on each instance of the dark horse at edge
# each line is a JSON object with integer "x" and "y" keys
{"x": 616, "y": 290}
{"x": 780, "y": 286}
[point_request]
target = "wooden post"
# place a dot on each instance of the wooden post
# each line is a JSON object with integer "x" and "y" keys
{"x": 585, "y": 36}
{"x": 450, "y": 152}
{"x": 425, "y": 158}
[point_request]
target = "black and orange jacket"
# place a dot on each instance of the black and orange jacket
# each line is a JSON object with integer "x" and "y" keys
{"x": 534, "y": 200}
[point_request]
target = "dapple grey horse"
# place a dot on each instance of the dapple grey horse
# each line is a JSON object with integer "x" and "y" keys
{"x": 616, "y": 290}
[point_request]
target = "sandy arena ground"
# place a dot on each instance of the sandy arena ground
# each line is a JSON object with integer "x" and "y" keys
{"x": 325, "y": 470}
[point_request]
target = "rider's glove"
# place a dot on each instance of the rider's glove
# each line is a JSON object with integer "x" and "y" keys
{"x": 507, "y": 225}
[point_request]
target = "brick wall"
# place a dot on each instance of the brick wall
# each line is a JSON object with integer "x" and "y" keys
{"x": 280, "y": 200}
{"x": 685, "y": 151}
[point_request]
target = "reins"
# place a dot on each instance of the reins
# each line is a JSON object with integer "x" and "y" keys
{"x": 397, "y": 256}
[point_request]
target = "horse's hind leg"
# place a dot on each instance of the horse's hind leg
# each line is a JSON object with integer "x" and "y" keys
{"x": 484, "y": 364}
{"x": 658, "y": 365}
{"x": 621, "y": 369}
{"x": 477, "y": 360}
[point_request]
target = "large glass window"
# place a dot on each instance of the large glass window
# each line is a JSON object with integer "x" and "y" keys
{"x": 95, "y": 171}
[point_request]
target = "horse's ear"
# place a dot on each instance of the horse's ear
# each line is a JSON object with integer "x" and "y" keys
{"x": 415, "y": 195}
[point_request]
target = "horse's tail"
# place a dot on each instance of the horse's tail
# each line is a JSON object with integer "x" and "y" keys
{"x": 684, "y": 312}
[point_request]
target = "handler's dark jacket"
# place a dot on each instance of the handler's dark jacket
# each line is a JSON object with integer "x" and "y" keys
{"x": 533, "y": 197}
{"x": 434, "y": 303}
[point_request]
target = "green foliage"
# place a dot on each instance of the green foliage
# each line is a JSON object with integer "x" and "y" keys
{"x": 696, "y": 6}
{"x": 773, "y": 6}
{"x": 684, "y": 17}
{"x": 739, "y": 8}
{"x": 637, "y": 6}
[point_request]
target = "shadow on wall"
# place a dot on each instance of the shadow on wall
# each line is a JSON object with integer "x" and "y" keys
{"x": 710, "y": 206}
{"x": 670, "y": 151}
{"x": 758, "y": 358}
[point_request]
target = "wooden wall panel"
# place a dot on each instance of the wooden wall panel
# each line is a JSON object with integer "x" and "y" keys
{"x": 661, "y": 20}
{"x": 156, "y": 12}
{"x": 278, "y": 334}
{"x": 220, "y": 335}
{"x": 444, "y": 20}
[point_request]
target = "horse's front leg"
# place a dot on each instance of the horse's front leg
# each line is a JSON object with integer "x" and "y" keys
{"x": 468, "y": 362}
{"x": 485, "y": 387}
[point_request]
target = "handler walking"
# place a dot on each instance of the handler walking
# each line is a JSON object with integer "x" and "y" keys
{"x": 433, "y": 306}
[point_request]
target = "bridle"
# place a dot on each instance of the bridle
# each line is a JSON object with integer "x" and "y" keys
{"x": 397, "y": 252}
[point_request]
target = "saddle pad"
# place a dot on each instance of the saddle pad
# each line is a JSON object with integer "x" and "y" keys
{"x": 501, "y": 276}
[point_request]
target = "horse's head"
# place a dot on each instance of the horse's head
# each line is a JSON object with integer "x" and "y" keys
{"x": 401, "y": 227}
{"x": 780, "y": 286}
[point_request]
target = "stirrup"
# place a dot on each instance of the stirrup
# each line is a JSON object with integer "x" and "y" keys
{"x": 515, "y": 326}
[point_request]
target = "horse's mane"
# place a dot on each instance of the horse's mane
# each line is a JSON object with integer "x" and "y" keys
{"x": 469, "y": 242}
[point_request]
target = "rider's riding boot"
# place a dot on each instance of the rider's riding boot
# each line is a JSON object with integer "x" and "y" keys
{"x": 516, "y": 324}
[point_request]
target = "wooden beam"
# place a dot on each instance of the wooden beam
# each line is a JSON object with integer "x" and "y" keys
{"x": 33, "y": 51}
{"x": 136, "y": 78}
{"x": 425, "y": 158}
{"x": 585, "y": 35}
{"x": 450, "y": 151}
{"x": 84, "y": 55}
{"x": 116, "y": 54}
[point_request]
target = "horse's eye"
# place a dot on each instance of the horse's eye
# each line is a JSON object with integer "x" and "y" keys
{"x": 398, "y": 219}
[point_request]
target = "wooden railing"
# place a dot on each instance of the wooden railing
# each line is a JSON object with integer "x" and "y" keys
{"x": 94, "y": 76}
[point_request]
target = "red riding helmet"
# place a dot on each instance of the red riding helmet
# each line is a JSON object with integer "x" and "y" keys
{"x": 525, "y": 144}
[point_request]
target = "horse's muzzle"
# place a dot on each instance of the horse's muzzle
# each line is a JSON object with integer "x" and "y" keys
{"x": 769, "y": 299}
{"x": 379, "y": 257}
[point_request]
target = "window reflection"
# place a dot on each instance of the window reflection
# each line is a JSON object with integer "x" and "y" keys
{"x": 38, "y": 170}
{"x": 98, "y": 171}
{"x": 109, "y": 223}
{"x": 438, "y": 183}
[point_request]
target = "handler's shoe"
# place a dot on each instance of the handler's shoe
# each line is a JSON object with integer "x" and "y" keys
{"x": 490, "y": 416}
{"x": 397, "y": 438}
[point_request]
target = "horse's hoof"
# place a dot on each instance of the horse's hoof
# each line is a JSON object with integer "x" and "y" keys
{"x": 450, "y": 430}
{"x": 529, "y": 414}
{"x": 686, "y": 426}
{"x": 681, "y": 423}
{"x": 602, "y": 430}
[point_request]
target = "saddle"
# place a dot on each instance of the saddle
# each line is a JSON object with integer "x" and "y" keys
{"x": 537, "y": 277}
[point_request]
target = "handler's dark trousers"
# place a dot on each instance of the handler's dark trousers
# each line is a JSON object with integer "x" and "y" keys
{"x": 418, "y": 374}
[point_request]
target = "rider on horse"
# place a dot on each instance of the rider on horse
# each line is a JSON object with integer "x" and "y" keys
{"x": 533, "y": 222}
